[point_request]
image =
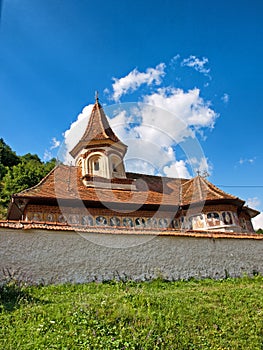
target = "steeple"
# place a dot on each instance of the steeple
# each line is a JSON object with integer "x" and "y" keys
{"x": 97, "y": 130}
{"x": 99, "y": 152}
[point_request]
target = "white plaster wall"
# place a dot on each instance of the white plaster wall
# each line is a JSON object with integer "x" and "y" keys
{"x": 57, "y": 257}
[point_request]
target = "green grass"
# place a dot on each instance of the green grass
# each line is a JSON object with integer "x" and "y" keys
{"x": 207, "y": 314}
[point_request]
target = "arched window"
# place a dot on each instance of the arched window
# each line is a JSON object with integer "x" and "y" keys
{"x": 87, "y": 220}
{"x": 50, "y": 217}
{"x": 140, "y": 222}
{"x": 73, "y": 219}
{"x": 176, "y": 223}
{"x": 115, "y": 221}
{"x": 61, "y": 218}
{"x": 94, "y": 165}
{"x": 117, "y": 167}
{"x": 213, "y": 219}
{"x": 163, "y": 223}
{"x": 227, "y": 218}
{"x": 127, "y": 222}
{"x": 243, "y": 223}
{"x": 151, "y": 222}
{"x": 101, "y": 221}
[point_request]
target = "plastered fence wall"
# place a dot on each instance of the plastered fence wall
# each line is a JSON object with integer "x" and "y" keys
{"x": 40, "y": 256}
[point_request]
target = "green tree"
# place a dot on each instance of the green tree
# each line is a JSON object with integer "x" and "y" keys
{"x": 18, "y": 173}
{"x": 27, "y": 157}
{"x": 20, "y": 177}
{"x": 8, "y": 158}
{"x": 48, "y": 166}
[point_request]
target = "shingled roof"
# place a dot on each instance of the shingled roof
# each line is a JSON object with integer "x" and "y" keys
{"x": 97, "y": 130}
{"x": 65, "y": 183}
{"x": 198, "y": 189}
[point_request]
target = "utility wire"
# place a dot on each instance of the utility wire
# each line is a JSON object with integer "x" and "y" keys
{"x": 249, "y": 186}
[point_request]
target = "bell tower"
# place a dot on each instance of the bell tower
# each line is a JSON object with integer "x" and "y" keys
{"x": 99, "y": 152}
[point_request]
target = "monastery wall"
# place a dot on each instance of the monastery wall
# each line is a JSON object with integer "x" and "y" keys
{"x": 42, "y": 256}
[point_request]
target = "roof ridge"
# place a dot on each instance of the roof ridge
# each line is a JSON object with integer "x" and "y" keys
{"x": 98, "y": 129}
{"x": 216, "y": 189}
{"x": 188, "y": 189}
{"x": 105, "y": 127}
{"x": 41, "y": 182}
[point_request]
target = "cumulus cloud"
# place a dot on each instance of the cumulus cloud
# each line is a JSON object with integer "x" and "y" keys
{"x": 177, "y": 169}
{"x": 197, "y": 64}
{"x": 165, "y": 119}
{"x": 189, "y": 106}
{"x": 135, "y": 79}
{"x": 153, "y": 129}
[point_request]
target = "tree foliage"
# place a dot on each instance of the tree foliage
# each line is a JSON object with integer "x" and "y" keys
{"x": 18, "y": 173}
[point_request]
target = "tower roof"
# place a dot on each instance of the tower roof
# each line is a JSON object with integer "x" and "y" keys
{"x": 198, "y": 189}
{"x": 97, "y": 130}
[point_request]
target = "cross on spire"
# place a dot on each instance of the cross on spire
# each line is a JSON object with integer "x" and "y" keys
{"x": 203, "y": 173}
{"x": 96, "y": 96}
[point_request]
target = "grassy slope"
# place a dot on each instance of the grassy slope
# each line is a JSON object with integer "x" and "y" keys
{"x": 206, "y": 314}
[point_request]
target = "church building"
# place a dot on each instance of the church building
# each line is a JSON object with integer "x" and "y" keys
{"x": 98, "y": 192}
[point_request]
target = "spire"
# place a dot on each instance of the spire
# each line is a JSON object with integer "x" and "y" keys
{"x": 97, "y": 97}
{"x": 97, "y": 130}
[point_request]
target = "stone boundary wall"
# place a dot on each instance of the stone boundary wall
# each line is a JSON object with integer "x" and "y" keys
{"x": 49, "y": 256}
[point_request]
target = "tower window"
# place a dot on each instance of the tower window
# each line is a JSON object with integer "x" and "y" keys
{"x": 96, "y": 166}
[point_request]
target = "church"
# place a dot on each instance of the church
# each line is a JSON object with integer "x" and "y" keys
{"x": 98, "y": 193}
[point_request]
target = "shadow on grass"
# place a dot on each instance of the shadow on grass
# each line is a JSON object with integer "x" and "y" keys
{"x": 12, "y": 295}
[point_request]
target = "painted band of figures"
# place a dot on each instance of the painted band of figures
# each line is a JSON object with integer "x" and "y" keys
{"x": 194, "y": 222}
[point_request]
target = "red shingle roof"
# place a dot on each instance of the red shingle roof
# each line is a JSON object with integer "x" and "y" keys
{"x": 199, "y": 189}
{"x": 65, "y": 182}
{"x": 98, "y": 129}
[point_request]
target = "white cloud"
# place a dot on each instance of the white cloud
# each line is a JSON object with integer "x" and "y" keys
{"x": 177, "y": 169}
{"x": 258, "y": 221}
{"x": 135, "y": 79}
{"x": 158, "y": 130}
{"x": 49, "y": 153}
{"x": 200, "y": 165}
{"x": 73, "y": 135}
{"x": 152, "y": 129}
{"x": 55, "y": 143}
{"x": 189, "y": 106}
{"x": 246, "y": 160}
{"x": 174, "y": 60}
{"x": 253, "y": 202}
{"x": 225, "y": 98}
{"x": 196, "y": 63}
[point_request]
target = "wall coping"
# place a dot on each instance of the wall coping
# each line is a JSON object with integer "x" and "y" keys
{"x": 51, "y": 226}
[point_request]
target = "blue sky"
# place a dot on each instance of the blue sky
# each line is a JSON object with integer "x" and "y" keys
{"x": 54, "y": 54}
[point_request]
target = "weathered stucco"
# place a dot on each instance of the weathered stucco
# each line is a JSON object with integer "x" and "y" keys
{"x": 41, "y": 256}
